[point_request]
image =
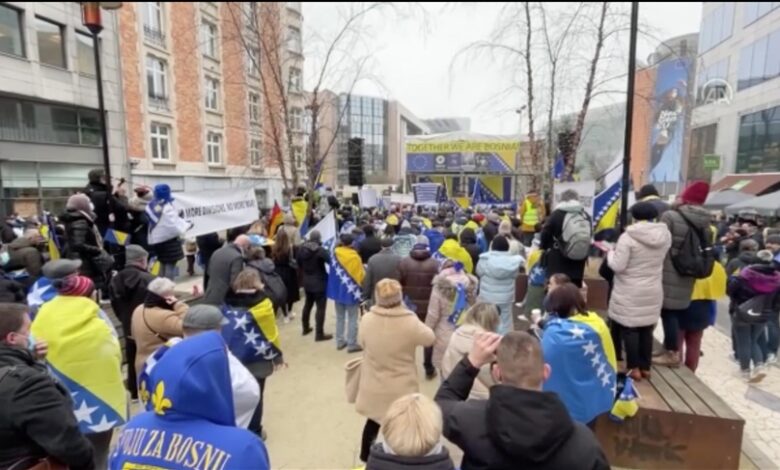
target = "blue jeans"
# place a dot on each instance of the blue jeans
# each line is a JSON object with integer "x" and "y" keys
{"x": 505, "y": 312}
{"x": 169, "y": 270}
{"x": 748, "y": 338}
{"x": 348, "y": 313}
{"x": 773, "y": 334}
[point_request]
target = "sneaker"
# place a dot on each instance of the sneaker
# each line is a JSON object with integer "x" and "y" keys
{"x": 323, "y": 337}
{"x": 771, "y": 358}
{"x": 340, "y": 346}
{"x": 759, "y": 367}
{"x": 754, "y": 376}
{"x": 669, "y": 359}
{"x": 287, "y": 320}
{"x": 354, "y": 349}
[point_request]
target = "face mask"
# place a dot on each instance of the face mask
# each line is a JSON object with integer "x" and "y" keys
{"x": 4, "y": 257}
{"x": 31, "y": 343}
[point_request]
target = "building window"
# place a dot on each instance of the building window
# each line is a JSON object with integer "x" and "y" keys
{"x": 153, "y": 23}
{"x": 296, "y": 80}
{"x": 752, "y": 11}
{"x": 702, "y": 143}
{"x": 716, "y": 26}
{"x": 213, "y": 148}
{"x": 294, "y": 39}
{"x": 156, "y": 82}
{"x": 51, "y": 48}
{"x": 254, "y": 152}
{"x": 11, "y": 31}
{"x": 758, "y": 148}
{"x": 29, "y": 121}
{"x": 85, "y": 53}
{"x": 254, "y": 107}
{"x": 296, "y": 119}
{"x": 161, "y": 142}
{"x": 212, "y": 94}
{"x": 759, "y": 61}
{"x": 252, "y": 61}
{"x": 209, "y": 39}
{"x": 298, "y": 158}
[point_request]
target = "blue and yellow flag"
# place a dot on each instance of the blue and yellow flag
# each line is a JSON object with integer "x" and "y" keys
{"x": 459, "y": 305}
{"x": 251, "y": 334}
{"x": 300, "y": 209}
{"x": 116, "y": 237}
{"x": 85, "y": 356}
{"x": 450, "y": 249}
{"x": 581, "y": 356}
{"x": 626, "y": 405}
{"x": 154, "y": 266}
{"x": 346, "y": 276}
{"x": 52, "y": 240}
{"x": 144, "y": 381}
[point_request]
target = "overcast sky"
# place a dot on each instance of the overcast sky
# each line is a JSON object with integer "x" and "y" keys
{"x": 411, "y": 57}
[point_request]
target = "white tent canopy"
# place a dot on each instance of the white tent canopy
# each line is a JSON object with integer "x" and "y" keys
{"x": 767, "y": 205}
{"x": 719, "y": 200}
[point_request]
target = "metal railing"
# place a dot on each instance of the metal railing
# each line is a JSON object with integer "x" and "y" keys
{"x": 154, "y": 36}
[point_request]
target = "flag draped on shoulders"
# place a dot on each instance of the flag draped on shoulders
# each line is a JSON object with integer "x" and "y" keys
{"x": 251, "y": 333}
{"x": 581, "y": 356}
{"x": 85, "y": 356}
{"x": 40, "y": 293}
{"x": 144, "y": 381}
{"x": 345, "y": 276}
{"x": 451, "y": 249}
{"x": 275, "y": 220}
{"x": 300, "y": 210}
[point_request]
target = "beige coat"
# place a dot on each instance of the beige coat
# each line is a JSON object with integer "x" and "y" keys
{"x": 166, "y": 323}
{"x": 389, "y": 338}
{"x": 638, "y": 263}
{"x": 440, "y": 309}
{"x": 460, "y": 345}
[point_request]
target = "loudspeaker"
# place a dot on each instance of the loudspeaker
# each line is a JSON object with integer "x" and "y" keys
{"x": 355, "y": 161}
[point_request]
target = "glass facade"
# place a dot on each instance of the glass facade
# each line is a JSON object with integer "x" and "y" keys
{"x": 719, "y": 69}
{"x": 752, "y": 11}
{"x": 364, "y": 117}
{"x": 11, "y": 31}
{"x": 759, "y": 142}
{"x": 51, "y": 48}
{"x": 702, "y": 143}
{"x": 716, "y": 27}
{"x": 759, "y": 61}
{"x": 30, "y": 121}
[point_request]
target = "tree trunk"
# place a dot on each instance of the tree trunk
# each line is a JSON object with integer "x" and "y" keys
{"x": 530, "y": 105}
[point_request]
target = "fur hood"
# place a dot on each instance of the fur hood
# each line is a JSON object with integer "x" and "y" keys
{"x": 446, "y": 284}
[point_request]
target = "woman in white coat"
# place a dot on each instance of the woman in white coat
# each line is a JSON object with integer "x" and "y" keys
{"x": 637, "y": 296}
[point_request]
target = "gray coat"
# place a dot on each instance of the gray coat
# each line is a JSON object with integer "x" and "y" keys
{"x": 224, "y": 266}
{"x": 382, "y": 265}
{"x": 677, "y": 288}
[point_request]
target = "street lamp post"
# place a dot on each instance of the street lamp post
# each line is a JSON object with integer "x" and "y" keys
{"x": 90, "y": 17}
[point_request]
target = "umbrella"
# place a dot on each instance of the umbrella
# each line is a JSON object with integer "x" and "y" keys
{"x": 721, "y": 199}
{"x": 766, "y": 205}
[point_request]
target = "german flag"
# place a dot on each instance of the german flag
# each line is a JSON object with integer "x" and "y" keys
{"x": 275, "y": 220}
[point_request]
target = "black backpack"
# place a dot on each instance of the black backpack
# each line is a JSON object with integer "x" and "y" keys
{"x": 695, "y": 257}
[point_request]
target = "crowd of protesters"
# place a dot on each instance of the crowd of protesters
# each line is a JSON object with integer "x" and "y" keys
{"x": 515, "y": 391}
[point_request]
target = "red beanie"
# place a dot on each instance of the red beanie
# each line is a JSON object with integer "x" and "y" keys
{"x": 696, "y": 193}
{"x": 76, "y": 286}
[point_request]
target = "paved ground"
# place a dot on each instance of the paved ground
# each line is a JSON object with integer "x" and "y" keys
{"x": 310, "y": 425}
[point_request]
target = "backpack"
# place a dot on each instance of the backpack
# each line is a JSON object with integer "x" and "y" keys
{"x": 755, "y": 310}
{"x": 576, "y": 234}
{"x": 695, "y": 257}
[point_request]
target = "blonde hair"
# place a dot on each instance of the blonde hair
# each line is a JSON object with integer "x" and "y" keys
{"x": 412, "y": 426}
{"x": 248, "y": 279}
{"x": 484, "y": 315}
{"x": 505, "y": 228}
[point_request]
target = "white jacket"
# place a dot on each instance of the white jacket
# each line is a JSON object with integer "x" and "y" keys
{"x": 170, "y": 226}
{"x": 638, "y": 262}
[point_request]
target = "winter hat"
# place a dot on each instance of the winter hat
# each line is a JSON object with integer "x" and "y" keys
{"x": 202, "y": 317}
{"x": 500, "y": 243}
{"x": 493, "y": 217}
{"x": 696, "y": 193}
{"x": 61, "y": 268}
{"x": 406, "y": 224}
{"x": 422, "y": 243}
{"x": 646, "y": 191}
{"x": 505, "y": 227}
{"x": 142, "y": 191}
{"x": 314, "y": 236}
{"x": 388, "y": 293}
{"x": 162, "y": 192}
{"x": 387, "y": 242}
{"x": 79, "y": 202}
{"x": 134, "y": 254}
{"x": 765, "y": 256}
{"x": 478, "y": 218}
{"x": 644, "y": 211}
{"x": 75, "y": 286}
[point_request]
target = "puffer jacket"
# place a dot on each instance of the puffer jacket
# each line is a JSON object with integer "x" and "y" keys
{"x": 313, "y": 258}
{"x": 440, "y": 307}
{"x": 417, "y": 273}
{"x": 746, "y": 258}
{"x": 754, "y": 280}
{"x": 497, "y": 271}
{"x": 139, "y": 223}
{"x": 468, "y": 240}
{"x": 638, "y": 261}
{"x": 460, "y": 345}
{"x": 82, "y": 243}
{"x": 678, "y": 288}
{"x": 23, "y": 254}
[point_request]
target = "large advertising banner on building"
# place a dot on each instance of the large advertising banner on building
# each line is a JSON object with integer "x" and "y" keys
{"x": 461, "y": 156}
{"x": 671, "y": 102}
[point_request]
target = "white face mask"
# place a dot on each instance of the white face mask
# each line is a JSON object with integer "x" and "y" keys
{"x": 4, "y": 257}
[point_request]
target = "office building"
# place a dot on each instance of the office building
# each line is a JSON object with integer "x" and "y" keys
{"x": 49, "y": 128}
{"x": 448, "y": 124}
{"x": 736, "y": 122}
{"x": 197, "y": 114}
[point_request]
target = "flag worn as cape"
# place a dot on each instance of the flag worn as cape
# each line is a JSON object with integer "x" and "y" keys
{"x": 300, "y": 209}
{"x": 251, "y": 334}
{"x": 581, "y": 356}
{"x": 85, "y": 356}
{"x": 40, "y": 293}
{"x": 275, "y": 220}
{"x": 116, "y": 237}
{"x": 450, "y": 249}
{"x": 346, "y": 276}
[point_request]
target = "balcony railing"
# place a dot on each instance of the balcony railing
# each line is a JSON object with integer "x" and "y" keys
{"x": 159, "y": 103}
{"x": 154, "y": 36}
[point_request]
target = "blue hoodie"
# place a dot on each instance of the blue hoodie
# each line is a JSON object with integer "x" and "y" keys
{"x": 192, "y": 424}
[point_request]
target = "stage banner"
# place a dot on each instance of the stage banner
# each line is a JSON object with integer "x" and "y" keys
{"x": 367, "y": 198}
{"x": 461, "y": 156}
{"x": 586, "y": 190}
{"x": 213, "y": 211}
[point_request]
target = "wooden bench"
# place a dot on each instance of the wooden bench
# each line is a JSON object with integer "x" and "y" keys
{"x": 681, "y": 423}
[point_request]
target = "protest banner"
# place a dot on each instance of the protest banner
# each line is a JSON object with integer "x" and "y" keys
{"x": 367, "y": 198}
{"x": 213, "y": 211}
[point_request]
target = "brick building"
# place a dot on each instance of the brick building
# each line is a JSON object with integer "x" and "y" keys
{"x": 197, "y": 114}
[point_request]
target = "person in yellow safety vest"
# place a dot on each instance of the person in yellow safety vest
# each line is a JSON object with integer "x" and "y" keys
{"x": 531, "y": 213}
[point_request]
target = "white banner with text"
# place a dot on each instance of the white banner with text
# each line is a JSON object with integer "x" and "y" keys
{"x": 216, "y": 210}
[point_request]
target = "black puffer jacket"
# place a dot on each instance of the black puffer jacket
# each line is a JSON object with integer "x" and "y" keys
{"x": 381, "y": 460}
{"x": 468, "y": 240}
{"x": 138, "y": 222}
{"x": 101, "y": 198}
{"x": 312, "y": 259}
{"x": 369, "y": 247}
{"x": 169, "y": 251}
{"x": 36, "y": 415}
{"x": 128, "y": 291}
{"x": 82, "y": 243}
{"x": 514, "y": 428}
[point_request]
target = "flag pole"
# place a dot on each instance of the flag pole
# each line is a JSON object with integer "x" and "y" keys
{"x": 629, "y": 116}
